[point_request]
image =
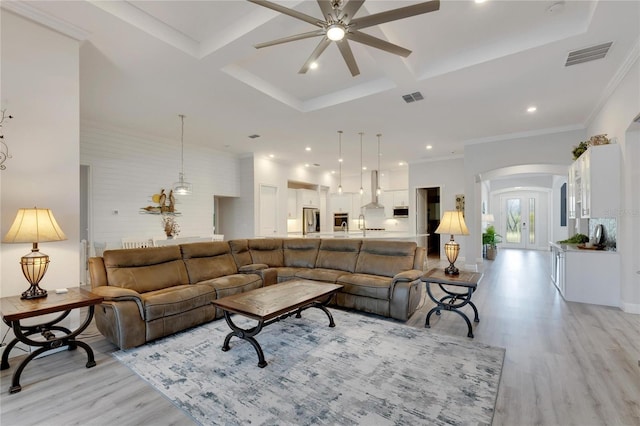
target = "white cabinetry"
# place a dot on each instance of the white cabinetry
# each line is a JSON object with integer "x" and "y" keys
{"x": 400, "y": 198}
{"x": 340, "y": 203}
{"x": 592, "y": 277}
{"x": 386, "y": 199}
{"x": 308, "y": 198}
{"x": 292, "y": 204}
{"x": 594, "y": 183}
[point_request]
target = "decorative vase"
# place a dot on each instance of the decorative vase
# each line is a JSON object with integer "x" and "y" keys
{"x": 492, "y": 252}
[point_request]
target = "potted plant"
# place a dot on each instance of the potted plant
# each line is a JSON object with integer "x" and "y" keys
{"x": 490, "y": 239}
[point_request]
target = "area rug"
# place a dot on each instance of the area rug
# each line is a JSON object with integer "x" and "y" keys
{"x": 366, "y": 370}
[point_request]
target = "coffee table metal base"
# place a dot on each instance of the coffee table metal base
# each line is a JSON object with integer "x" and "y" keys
{"x": 249, "y": 334}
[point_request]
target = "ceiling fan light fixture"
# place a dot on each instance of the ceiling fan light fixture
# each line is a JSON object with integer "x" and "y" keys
{"x": 335, "y": 32}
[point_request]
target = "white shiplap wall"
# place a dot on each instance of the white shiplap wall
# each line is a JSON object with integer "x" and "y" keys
{"x": 126, "y": 169}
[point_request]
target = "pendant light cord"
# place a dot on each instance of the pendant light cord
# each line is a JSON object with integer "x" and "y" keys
{"x": 361, "y": 187}
{"x": 182, "y": 148}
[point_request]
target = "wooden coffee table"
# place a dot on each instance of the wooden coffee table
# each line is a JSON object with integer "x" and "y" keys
{"x": 271, "y": 304}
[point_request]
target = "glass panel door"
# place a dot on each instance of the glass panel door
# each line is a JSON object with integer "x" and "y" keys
{"x": 519, "y": 225}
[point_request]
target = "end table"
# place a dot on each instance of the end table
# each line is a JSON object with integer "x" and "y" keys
{"x": 452, "y": 301}
{"x": 14, "y": 309}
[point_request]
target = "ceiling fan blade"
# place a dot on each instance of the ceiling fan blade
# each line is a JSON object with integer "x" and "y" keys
{"x": 289, "y": 12}
{"x": 347, "y": 54}
{"x": 395, "y": 14}
{"x": 378, "y": 43}
{"x": 327, "y": 11}
{"x": 350, "y": 9}
{"x": 324, "y": 43}
{"x": 302, "y": 36}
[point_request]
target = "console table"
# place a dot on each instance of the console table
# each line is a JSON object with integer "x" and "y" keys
{"x": 14, "y": 309}
{"x": 452, "y": 300}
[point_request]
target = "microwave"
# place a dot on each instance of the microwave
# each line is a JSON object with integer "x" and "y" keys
{"x": 401, "y": 211}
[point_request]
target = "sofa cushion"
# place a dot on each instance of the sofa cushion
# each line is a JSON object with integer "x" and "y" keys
{"x": 321, "y": 274}
{"x": 339, "y": 254}
{"x": 145, "y": 269}
{"x": 373, "y": 286}
{"x": 240, "y": 252}
{"x": 208, "y": 260}
{"x": 175, "y": 300}
{"x": 268, "y": 250}
{"x": 233, "y": 284}
{"x": 301, "y": 252}
{"x": 386, "y": 258}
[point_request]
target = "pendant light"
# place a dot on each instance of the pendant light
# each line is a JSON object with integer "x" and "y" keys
{"x": 378, "y": 189}
{"x": 182, "y": 187}
{"x": 361, "y": 187}
{"x": 340, "y": 161}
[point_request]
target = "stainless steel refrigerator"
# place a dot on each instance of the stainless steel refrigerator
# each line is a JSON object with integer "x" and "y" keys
{"x": 310, "y": 220}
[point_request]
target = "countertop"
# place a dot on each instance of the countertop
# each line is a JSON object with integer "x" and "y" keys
{"x": 374, "y": 235}
{"x": 575, "y": 248}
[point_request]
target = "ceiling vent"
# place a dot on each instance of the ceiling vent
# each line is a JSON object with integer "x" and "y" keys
{"x": 588, "y": 54}
{"x": 254, "y": 136}
{"x": 412, "y": 97}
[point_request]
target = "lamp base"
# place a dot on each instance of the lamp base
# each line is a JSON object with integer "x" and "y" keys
{"x": 34, "y": 292}
{"x": 451, "y": 270}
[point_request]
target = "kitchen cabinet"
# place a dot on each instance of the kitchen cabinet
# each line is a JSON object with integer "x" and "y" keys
{"x": 586, "y": 276}
{"x": 386, "y": 199}
{"x": 308, "y": 198}
{"x": 594, "y": 183}
{"x": 400, "y": 198}
{"x": 340, "y": 203}
{"x": 292, "y": 204}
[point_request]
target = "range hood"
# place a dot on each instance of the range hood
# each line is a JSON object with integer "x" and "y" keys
{"x": 374, "y": 204}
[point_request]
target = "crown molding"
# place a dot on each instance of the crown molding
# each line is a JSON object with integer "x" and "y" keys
{"x": 34, "y": 14}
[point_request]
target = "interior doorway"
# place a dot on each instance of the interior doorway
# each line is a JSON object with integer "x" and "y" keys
{"x": 428, "y": 218}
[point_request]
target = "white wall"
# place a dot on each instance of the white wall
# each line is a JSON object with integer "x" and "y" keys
{"x": 40, "y": 88}
{"x": 126, "y": 169}
{"x": 615, "y": 119}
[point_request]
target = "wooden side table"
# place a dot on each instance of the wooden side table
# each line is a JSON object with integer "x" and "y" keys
{"x": 14, "y": 309}
{"x": 452, "y": 301}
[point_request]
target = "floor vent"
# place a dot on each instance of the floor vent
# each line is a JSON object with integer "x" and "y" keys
{"x": 588, "y": 54}
{"x": 412, "y": 97}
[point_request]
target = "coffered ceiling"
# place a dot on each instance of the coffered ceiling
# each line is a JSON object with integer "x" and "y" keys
{"x": 478, "y": 67}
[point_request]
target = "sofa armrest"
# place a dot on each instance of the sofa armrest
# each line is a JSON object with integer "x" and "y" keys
{"x": 252, "y": 268}
{"x": 118, "y": 294}
{"x": 410, "y": 275}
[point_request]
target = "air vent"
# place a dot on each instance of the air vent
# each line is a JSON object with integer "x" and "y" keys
{"x": 412, "y": 97}
{"x": 588, "y": 54}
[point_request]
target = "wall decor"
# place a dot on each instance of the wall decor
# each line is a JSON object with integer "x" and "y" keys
{"x": 166, "y": 205}
{"x": 460, "y": 203}
{"x": 4, "y": 148}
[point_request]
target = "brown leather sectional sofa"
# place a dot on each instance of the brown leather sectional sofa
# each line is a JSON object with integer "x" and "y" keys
{"x": 154, "y": 292}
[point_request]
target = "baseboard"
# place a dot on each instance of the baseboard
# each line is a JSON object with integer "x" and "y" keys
{"x": 630, "y": 308}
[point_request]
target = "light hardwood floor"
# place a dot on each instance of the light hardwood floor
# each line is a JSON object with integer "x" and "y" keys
{"x": 565, "y": 364}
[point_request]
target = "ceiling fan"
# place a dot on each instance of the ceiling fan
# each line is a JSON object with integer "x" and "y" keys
{"x": 339, "y": 26}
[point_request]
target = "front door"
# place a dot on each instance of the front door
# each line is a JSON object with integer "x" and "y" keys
{"x": 520, "y": 220}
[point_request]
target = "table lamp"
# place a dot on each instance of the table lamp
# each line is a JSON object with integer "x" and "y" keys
{"x": 452, "y": 223}
{"x": 34, "y": 226}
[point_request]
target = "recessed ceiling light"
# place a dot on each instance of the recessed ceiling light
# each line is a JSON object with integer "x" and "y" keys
{"x": 308, "y": 148}
{"x": 306, "y": 164}
{"x": 313, "y": 65}
{"x": 480, "y": 1}
{"x": 333, "y": 172}
{"x": 364, "y": 167}
{"x": 429, "y": 147}
{"x": 531, "y": 109}
{"x": 271, "y": 156}
{"x": 401, "y": 163}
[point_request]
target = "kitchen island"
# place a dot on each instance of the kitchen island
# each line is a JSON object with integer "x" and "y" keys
{"x": 420, "y": 239}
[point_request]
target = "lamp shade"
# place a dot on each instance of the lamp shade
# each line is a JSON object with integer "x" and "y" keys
{"x": 34, "y": 226}
{"x": 452, "y": 223}
{"x": 488, "y": 218}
